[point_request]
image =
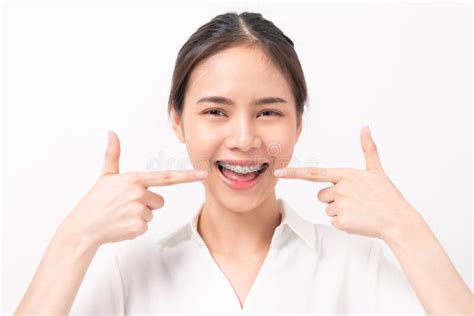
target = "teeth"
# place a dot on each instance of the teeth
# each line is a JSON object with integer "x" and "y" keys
{"x": 240, "y": 169}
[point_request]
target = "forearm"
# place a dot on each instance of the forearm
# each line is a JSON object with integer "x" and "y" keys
{"x": 58, "y": 277}
{"x": 437, "y": 284}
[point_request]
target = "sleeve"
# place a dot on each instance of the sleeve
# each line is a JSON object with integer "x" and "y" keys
{"x": 101, "y": 291}
{"x": 392, "y": 291}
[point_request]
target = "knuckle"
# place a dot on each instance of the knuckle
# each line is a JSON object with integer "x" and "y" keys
{"x": 371, "y": 147}
{"x": 108, "y": 152}
{"x": 373, "y": 174}
{"x": 161, "y": 202}
{"x": 154, "y": 201}
{"x": 313, "y": 173}
{"x": 342, "y": 204}
{"x": 339, "y": 205}
{"x": 166, "y": 177}
{"x": 136, "y": 193}
{"x": 138, "y": 226}
{"x": 133, "y": 176}
{"x": 351, "y": 173}
{"x": 340, "y": 188}
{"x": 107, "y": 179}
{"x": 338, "y": 222}
{"x": 135, "y": 206}
{"x": 342, "y": 222}
{"x": 329, "y": 210}
{"x": 143, "y": 228}
{"x": 148, "y": 216}
{"x": 321, "y": 195}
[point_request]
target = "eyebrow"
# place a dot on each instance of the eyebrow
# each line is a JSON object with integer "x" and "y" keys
{"x": 227, "y": 101}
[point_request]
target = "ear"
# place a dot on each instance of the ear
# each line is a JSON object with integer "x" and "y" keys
{"x": 177, "y": 124}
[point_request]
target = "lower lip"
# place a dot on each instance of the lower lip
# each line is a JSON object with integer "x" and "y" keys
{"x": 241, "y": 185}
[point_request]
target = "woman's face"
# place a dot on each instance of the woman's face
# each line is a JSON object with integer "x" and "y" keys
{"x": 236, "y": 126}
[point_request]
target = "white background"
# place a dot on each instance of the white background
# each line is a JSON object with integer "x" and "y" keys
{"x": 73, "y": 71}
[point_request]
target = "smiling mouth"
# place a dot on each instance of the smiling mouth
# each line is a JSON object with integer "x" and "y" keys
{"x": 241, "y": 169}
{"x": 240, "y": 176}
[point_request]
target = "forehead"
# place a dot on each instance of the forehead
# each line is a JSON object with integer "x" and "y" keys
{"x": 237, "y": 72}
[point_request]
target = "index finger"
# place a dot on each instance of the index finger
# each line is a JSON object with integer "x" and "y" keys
{"x": 168, "y": 177}
{"x": 314, "y": 174}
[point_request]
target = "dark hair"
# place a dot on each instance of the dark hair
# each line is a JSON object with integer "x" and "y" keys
{"x": 230, "y": 30}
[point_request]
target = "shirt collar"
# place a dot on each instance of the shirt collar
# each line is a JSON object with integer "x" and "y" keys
{"x": 299, "y": 226}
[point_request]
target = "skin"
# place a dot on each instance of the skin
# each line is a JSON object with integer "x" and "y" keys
{"x": 118, "y": 207}
{"x": 239, "y": 131}
{"x": 243, "y": 130}
{"x": 366, "y": 202}
{"x": 363, "y": 202}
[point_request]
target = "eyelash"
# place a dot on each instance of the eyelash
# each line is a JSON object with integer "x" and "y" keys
{"x": 208, "y": 112}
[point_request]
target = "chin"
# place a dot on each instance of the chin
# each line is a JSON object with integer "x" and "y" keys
{"x": 241, "y": 204}
{"x": 237, "y": 200}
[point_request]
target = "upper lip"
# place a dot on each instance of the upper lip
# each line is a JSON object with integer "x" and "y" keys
{"x": 243, "y": 163}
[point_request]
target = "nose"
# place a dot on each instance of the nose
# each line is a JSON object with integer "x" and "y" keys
{"x": 243, "y": 135}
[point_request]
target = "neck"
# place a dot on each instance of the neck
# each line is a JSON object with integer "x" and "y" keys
{"x": 228, "y": 232}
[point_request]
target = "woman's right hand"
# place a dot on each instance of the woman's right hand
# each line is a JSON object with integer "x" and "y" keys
{"x": 119, "y": 206}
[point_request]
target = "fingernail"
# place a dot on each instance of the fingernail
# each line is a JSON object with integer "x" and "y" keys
{"x": 109, "y": 136}
{"x": 201, "y": 174}
{"x": 279, "y": 172}
{"x": 368, "y": 130}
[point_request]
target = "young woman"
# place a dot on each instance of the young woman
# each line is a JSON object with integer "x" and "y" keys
{"x": 236, "y": 101}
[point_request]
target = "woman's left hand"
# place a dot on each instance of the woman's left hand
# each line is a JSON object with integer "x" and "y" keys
{"x": 363, "y": 202}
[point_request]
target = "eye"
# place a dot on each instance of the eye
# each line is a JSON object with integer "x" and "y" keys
{"x": 214, "y": 112}
{"x": 270, "y": 113}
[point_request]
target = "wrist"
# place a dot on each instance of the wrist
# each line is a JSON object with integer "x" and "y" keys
{"x": 412, "y": 227}
{"x": 67, "y": 235}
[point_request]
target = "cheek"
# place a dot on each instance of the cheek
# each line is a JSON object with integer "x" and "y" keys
{"x": 201, "y": 145}
{"x": 284, "y": 155}
{"x": 280, "y": 145}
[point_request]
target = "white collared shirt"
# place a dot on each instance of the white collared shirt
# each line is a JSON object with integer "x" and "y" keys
{"x": 310, "y": 268}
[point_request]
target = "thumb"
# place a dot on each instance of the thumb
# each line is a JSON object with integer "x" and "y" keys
{"x": 372, "y": 160}
{"x": 112, "y": 155}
